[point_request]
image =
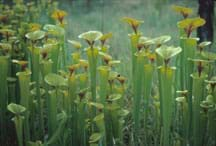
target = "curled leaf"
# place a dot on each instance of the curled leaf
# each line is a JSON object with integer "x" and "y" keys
{"x": 184, "y": 11}
{"x": 190, "y": 24}
{"x": 161, "y": 40}
{"x": 167, "y": 52}
{"x": 91, "y": 36}
{"x": 75, "y": 44}
{"x": 16, "y": 108}
{"x": 180, "y": 99}
{"x": 206, "y": 105}
{"x": 97, "y": 105}
{"x": 54, "y": 29}
{"x": 59, "y": 15}
{"x": 145, "y": 42}
{"x": 22, "y": 63}
{"x": 35, "y": 35}
{"x": 95, "y": 137}
{"x": 134, "y": 23}
{"x": 209, "y": 55}
{"x": 55, "y": 80}
{"x": 104, "y": 37}
{"x": 204, "y": 44}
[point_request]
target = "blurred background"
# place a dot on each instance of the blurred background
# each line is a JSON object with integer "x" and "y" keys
{"x": 159, "y": 19}
{"x": 105, "y": 15}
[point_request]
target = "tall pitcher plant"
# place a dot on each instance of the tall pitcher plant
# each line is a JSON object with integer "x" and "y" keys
{"x": 138, "y": 58}
{"x": 34, "y": 38}
{"x": 92, "y": 53}
{"x": 198, "y": 92}
{"x": 167, "y": 76}
{"x": 189, "y": 48}
{"x": 24, "y": 77}
{"x": 134, "y": 38}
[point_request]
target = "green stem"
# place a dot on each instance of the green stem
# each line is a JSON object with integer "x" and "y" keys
{"x": 167, "y": 79}
{"x": 159, "y": 63}
{"x": 134, "y": 38}
{"x": 3, "y": 96}
{"x": 18, "y": 120}
{"x": 147, "y": 84}
{"x": 92, "y": 54}
{"x": 72, "y": 84}
{"x": 52, "y": 112}
{"x": 55, "y": 56}
{"x": 35, "y": 53}
{"x": 138, "y": 81}
{"x": 198, "y": 94}
{"x": 26, "y": 100}
{"x": 103, "y": 83}
{"x": 189, "y": 46}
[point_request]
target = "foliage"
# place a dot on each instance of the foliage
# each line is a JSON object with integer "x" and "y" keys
{"x": 169, "y": 100}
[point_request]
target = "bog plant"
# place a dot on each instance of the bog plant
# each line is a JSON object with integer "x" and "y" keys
{"x": 170, "y": 99}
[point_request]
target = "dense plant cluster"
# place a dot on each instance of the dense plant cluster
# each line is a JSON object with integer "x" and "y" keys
{"x": 47, "y": 100}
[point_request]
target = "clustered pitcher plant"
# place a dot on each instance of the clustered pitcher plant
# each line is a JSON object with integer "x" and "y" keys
{"x": 49, "y": 97}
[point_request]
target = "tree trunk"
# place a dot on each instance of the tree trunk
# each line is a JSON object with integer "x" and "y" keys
{"x": 206, "y": 11}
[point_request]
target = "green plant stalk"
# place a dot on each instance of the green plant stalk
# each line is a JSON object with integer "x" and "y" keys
{"x": 115, "y": 124}
{"x": 52, "y": 112}
{"x": 72, "y": 91}
{"x": 134, "y": 38}
{"x": 55, "y": 57}
{"x": 81, "y": 123}
{"x": 157, "y": 124}
{"x": 26, "y": 100}
{"x": 104, "y": 49}
{"x": 147, "y": 84}
{"x": 159, "y": 62}
{"x": 121, "y": 90}
{"x": 179, "y": 63}
{"x": 75, "y": 57}
{"x": 182, "y": 67}
{"x": 212, "y": 125}
{"x": 212, "y": 115}
{"x": 198, "y": 94}
{"x": 188, "y": 46}
{"x": 83, "y": 81}
{"x": 35, "y": 54}
{"x": 11, "y": 90}
{"x": 18, "y": 120}
{"x": 59, "y": 131}
{"x": 167, "y": 78}
{"x": 63, "y": 50}
{"x": 119, "y": 120}
{"x": 203, "y": 128}
{"x": 103, "y": 83}
{"x": 138, "y": 81}
{"x": 3, "y": 95}
{"x": 46, "y": 67}
{"x": 185, "y": 124}
{"x": 99, "y": 120}
{"x": 83, "y": 84}
{"x": 92, "y": 54}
